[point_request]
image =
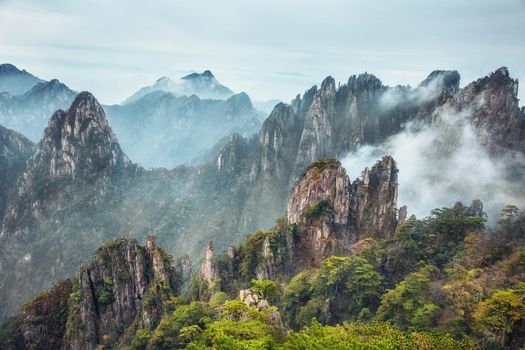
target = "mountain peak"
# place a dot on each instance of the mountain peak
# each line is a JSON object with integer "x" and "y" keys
{"x": 80, "y": 140}
{"x": 8, "y": 68}
{"x": 204, "y": 85}
{"x": 204, "y": 75}
{"x": 16, "y": 81}
{"x": 52, "y": 86}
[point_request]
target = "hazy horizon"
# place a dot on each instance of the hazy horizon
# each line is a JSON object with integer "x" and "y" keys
{"x": 270, "y": 50}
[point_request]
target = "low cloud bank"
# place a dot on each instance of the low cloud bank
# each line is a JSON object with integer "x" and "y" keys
{"x": 444, "y": 163}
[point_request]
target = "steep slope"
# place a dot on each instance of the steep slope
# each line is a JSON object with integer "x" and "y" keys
{"x": 74, "y": 168}
{"x": 29, "y": 113}
{"x": 15, "y": 81}
{"x": 15, "y": 150}
{"x": 203, "y": 85}
{"x": 161, "y": 129}
{"x": 327, "y": 215}
{"x": 493, "y": 108}
{"x": 125, "y": 287}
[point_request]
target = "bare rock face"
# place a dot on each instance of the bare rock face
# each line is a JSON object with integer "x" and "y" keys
{"x": 325, "y": 183}
{"x": 332, "y": 214}
{"x": 44, "y": 318}
{"x": 279, "y": 138}
{"x": 229, "y": 159}
{"x": 77, "y": 144}
{"x": 124, "y": 286}
{"x": 208, "y": 268}
{"x": 374, "y": 200}
{"x": 15, "y": 150}
{"x": 122, "y": 289}
{"x": 63, "y": 148}
{"x": 492, "y": 106}
{"x": 316, "y": 138}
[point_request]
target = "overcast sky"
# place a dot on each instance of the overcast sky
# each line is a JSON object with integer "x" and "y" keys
{"x": 268, "y": 48}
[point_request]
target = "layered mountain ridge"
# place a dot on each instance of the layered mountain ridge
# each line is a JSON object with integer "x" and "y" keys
{"x": 243, "y": 187}
{"x": 15, "y": 81}
{"x": 29, "y": 112}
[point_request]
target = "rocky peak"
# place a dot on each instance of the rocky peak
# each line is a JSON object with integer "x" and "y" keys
{"x": 124, "y": 286}
{"x": 445, "y": 82}
{"x": 49, "y": 89}
{"x": 7, "y": 68}
{"x": 492, "y": 106}
{"x": 79, "y": 142}
{"x": 279, "y": 138}
{"x": 364, "y": 82}
{"x": 368, "y": 207}
{"x": 317, "y": 136}
{"x": 230, "y": 158}
{"x": 204, "y": 75}
{"x": 324, "y": 190}
{"x": 374, "y": 200}
{"x": 475, "y": 209}
{"x": 208, "y": 269}
{"x": 302, "y": 105}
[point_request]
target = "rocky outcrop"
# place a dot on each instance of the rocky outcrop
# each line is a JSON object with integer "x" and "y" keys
{"x": 77, "y": 161}
{"x": 491, "y": 105}
{"x": 43, "y": 319}
{"x": 332, "y": 215}
{"x": 124, "y": 286}
{"x": 317, "y": 135}
{"x": 374, "y": 200}
{"x": 15, "y": 150}
{"x": 252, "y": 299}
{"x": 327, "y": 215}
{"x": 208, "y": 268}
{"x": 78, "y": 148}
{"x": 122, "y": 289}
{"x": 475, "y": 208}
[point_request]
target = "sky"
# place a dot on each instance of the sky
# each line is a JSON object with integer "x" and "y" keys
{"x": 270, "y": 49}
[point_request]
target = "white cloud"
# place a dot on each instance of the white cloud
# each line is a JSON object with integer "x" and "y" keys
{"x": 441, "y": 165}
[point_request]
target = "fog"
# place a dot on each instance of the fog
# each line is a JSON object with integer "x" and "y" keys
{"x": 442, "y": 163}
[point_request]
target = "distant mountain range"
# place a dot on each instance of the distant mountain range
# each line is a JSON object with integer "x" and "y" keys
{"x": 166, "y": 124}
{"x": 15, "y": 81}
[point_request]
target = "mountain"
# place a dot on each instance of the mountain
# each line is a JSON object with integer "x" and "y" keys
{"x": 343, "y": 256}
{"x": 15, "y": 81}
{"x": 203, "y": 85}
{"x": 15, "y": 150}
{"x": 125, "y": 287}
{"x": 75, "y": 165}
{"x": 161, "y": 129}
{"x": 28, "y": 113}
{"x": 79, "y": 190}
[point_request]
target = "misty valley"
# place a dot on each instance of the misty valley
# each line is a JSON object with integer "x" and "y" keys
{"x": 358, "y": 215}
